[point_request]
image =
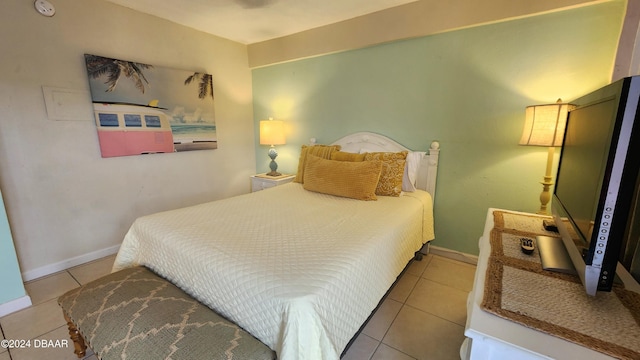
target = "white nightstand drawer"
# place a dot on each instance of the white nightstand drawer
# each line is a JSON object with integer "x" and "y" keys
{"x": 263, "y": 181}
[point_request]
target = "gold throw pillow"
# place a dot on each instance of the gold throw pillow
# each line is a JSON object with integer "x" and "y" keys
{"x": 356, "y": 180}
{"x": 323, "y": 151}
{"x": 390, "y": 182}
{"x": 347, "y": 156}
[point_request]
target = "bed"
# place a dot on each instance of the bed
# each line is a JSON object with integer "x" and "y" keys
{"x": 301, "y": 270}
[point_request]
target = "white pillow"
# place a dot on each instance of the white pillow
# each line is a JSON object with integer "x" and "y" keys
{"x": 411, "y": 170}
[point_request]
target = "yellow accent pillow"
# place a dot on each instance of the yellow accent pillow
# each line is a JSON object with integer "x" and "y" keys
{"x": 323, "y": 151}
{"x": 347, "y": 156}
{"x": 355, "y": 180}
{"x": 390, "y": 182}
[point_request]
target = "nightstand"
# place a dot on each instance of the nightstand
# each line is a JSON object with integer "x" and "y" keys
{"x": 263, "y": 181}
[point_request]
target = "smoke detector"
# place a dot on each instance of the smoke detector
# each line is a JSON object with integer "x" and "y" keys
{"x": 45, "y": 8}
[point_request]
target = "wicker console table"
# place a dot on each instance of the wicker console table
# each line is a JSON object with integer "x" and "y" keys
{"x": 494, "y": 337}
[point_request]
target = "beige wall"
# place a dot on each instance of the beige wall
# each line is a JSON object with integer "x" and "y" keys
{"x": 420, "y": 18}
{"x": 65, "y": 203}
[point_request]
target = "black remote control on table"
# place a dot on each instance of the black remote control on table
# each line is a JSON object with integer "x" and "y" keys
{"x": 526, "y": 245}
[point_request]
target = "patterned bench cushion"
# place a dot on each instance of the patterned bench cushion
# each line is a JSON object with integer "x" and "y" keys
{"x": 135, "y": 314}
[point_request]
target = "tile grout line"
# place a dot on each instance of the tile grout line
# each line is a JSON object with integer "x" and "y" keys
{"x": 404, "y": 303}
{"x": 436, "y": 282}
{"x": 389, "y": 328}
{"x": 435, "y": 315}
{"x": 375, "y": 350}
{"x": 73, "y": 277}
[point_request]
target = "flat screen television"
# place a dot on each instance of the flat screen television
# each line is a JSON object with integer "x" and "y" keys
{"x": 595, "y": 203}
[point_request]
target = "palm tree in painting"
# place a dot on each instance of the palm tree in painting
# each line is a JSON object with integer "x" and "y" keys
{"x": 205, "y": 84}
{"x": 114, "y": 69}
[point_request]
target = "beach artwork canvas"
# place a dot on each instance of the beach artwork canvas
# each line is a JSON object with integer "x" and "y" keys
{"x": 146, "y": 109}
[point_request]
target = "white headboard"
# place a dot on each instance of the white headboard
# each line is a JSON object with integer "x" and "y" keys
{"x": 372, "y": 142}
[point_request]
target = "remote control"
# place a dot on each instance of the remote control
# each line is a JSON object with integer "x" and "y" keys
{"x": 549, "y": 225}
{"x": 526, "y": 245}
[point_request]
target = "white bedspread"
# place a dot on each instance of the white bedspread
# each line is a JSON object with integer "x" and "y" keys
{"x": 301, "y": 271}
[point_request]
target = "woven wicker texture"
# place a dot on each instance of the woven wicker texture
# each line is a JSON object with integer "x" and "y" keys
{"x": 135, "y": 314}
{"x": 517, "y": 289}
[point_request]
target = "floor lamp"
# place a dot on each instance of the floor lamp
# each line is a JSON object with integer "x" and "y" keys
{"x": 544, "y": 126}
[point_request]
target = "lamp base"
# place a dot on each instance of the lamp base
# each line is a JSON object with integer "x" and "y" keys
{"x": 273, "y": 165}
{"x": 545, "y": 196}
{"x": 547, "y": 182}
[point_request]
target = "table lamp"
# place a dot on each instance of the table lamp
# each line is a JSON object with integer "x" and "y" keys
{"x": 544, "y": 126}
{"x": 272, "y": 133}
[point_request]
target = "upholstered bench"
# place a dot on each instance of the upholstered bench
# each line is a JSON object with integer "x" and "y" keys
{"x": 135, "y": 314}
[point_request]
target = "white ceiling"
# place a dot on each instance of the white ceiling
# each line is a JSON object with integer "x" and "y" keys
{"x": 250, "y": 21}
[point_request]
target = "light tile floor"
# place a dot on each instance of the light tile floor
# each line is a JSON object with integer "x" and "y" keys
{"x": 43, "y": 320}
{"x": 422, "y": 318}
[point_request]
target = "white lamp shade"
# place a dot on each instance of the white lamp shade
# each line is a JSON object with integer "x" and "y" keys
{"x": 544, "y": 124}
{"x": 272, "y": 132}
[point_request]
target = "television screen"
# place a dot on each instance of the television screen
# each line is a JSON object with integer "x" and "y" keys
{"x": 596, "y": 203}
{"x": 584, "y": 158}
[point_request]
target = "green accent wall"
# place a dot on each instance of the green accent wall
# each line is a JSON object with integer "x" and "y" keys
{"x": 467, "y": 89}
{"x": 11, "y": 286}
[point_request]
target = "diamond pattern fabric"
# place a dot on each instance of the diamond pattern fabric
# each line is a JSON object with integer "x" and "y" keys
{"x": 134, "y": 314}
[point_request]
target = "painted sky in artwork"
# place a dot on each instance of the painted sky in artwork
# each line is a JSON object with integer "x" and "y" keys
{"x": 165, "y": 85}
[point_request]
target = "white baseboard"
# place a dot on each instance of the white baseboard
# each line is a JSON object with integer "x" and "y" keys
{"x": 455, "y": 255}
{"x": 15, "y": 305}
{"x": 68, "y": 263}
